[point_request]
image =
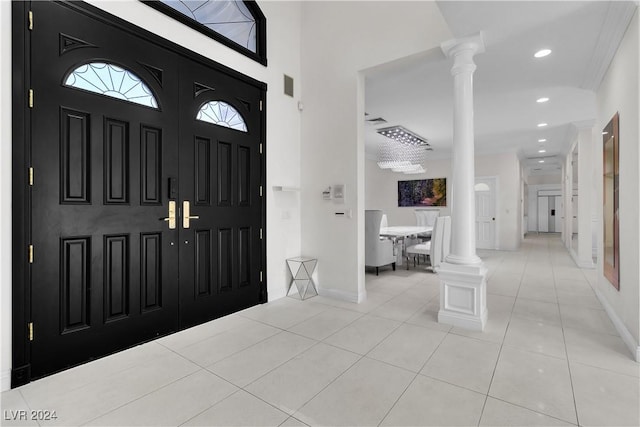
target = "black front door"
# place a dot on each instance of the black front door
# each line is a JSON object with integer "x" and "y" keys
{"x": 119, "y": 146}
{"x": 220, "y": 178}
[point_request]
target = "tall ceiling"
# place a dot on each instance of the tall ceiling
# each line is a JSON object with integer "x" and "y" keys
{"x": 417, "y": 93}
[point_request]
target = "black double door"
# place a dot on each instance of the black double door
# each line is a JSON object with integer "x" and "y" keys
{"x": 125, "y": 136}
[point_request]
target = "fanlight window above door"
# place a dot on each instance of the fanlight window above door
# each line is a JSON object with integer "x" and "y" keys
{"x": 230, "y": 19}
{"x": 238, "y": 24}
{"x": 222, "y": 114}
{"x": 113, "y": 81}
{"x": 481, "y": 186}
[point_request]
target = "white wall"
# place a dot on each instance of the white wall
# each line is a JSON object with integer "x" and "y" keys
{"x": 339, "y": 41}
{"x": 382, "y": 192}
{"x": 620, "y": 91}
{"x": 544, "y": 179}
{"x": 283, "y": 131}
{"x": 5, "y": 190}
{"x": 583, "y": 188}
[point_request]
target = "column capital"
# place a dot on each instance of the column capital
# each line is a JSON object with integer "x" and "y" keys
{"x": 469, "y": 46}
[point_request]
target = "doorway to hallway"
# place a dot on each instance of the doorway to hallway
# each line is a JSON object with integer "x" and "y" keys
{"x": 550, "y": 212}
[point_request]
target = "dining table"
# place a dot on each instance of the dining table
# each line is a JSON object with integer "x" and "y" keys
{"x": 400, "y": 233}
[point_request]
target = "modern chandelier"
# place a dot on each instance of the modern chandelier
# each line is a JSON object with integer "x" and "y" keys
{"x": 403, "y": 151}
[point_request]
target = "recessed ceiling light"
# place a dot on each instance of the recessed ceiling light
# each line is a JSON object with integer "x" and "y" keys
{"x": 541, "y": 125}
{"x": 542, "y": 140}
{"x": 540, "y": 161}
{"x": 605, "y": 133}
{"x": 541, "y": 100}
{"x": 542, "y": 53}
{"x": 542, "y": 150}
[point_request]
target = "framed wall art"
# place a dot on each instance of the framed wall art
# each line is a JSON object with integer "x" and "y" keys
{"x": 423, "y": 192}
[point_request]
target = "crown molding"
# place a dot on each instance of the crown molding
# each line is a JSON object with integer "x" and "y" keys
{"x": 619, "y": 15}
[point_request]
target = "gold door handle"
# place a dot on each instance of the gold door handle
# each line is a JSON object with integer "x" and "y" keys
{"x": 186, "y": 214}
{"x": 172, "y": 215}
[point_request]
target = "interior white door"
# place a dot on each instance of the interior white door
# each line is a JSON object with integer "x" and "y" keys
{"x": 543, "y": 214}
{"x": 485, "y": 190}
{"x": 559, "y": 206}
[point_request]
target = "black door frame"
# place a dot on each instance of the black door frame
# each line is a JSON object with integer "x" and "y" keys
{"x": 21, "y": 161}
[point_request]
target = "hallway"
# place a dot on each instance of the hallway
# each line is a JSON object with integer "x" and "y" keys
{"x": 549, "y": 356}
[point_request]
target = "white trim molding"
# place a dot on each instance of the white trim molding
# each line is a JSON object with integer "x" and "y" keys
{"x": 626, "y": 336}
{"x": 5, "y": 380}
{"x": 463, "y": 296}
{"x": 343, "y": 295}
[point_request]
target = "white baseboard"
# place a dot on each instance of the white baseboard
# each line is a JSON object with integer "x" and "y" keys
{"x": 473, "y": 323}
{"x": 339, "y": 295}
{"x": 626, "y": 336}
{"x": 5, "y": 380}
{"x": 277, "y": 295}
{"x": 589, "y": 265}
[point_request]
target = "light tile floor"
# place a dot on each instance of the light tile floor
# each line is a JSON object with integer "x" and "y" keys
{"x": 549, "y": 356}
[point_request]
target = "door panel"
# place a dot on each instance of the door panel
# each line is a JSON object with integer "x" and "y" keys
{"x": 559, "y": 214}
{"x": 485, "y": 197}
{"x": 220, "y": 176}
{"x": 552, "y": 214}
{"x": 103, "y": 276}
{"x": 543, "y": 214}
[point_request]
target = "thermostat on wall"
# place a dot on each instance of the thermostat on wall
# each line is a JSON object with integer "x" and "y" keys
{"x": 338, "y": 193}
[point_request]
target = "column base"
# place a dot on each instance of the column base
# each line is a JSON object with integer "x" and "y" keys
{"x": 463, "y": 295}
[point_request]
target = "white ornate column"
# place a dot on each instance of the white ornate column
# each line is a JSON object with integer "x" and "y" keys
{"x": 463, "y": 286}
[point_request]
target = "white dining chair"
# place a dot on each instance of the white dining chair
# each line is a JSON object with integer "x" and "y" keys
{"x": 433, "y": 248}
{"x": 377, "y": 252}
{"x": 426, "y": 217}
{"x": 384, "y": 222}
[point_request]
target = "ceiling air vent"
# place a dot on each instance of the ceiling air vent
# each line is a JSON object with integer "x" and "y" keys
{"x": 376, "y": 121}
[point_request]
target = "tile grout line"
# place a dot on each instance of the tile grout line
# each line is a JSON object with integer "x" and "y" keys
{"x": 413, "y": 380}
{"x": 205, "y": 410}
{"x": 531, "y": 410}
{"x": 326, "y": 386}
{"x": 27, "y": 403}
{"x": 316, "y": 343}
{"x": 495, "y": 367}
{"x": 397, "y": 400}
{"x": 566, "y": 351}
{"x": 145, "y": 394}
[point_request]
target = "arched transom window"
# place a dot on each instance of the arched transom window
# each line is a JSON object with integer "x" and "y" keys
{"x": 113, "y": 81}
{"x": 481, "y": 186}
{"x": 236, "y": 23}
{"x": 222, "y": 114}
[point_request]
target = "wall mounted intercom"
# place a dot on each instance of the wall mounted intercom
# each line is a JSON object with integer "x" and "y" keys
{"x": 326, "y": 194}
